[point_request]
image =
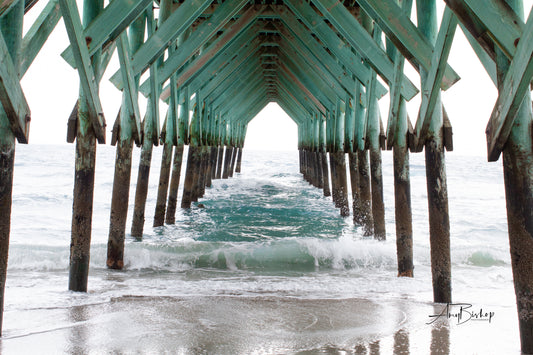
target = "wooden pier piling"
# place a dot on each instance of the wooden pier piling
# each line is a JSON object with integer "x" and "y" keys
{"x": 170, "y": 217}
{"x": 220, "y": 160}
{"x": 439, "y": 221}
{"x": 239, "y": 161}
{"x": 162, "y": 190}
{"x": 85, "y": 160}
{"x": 364, "y": 212}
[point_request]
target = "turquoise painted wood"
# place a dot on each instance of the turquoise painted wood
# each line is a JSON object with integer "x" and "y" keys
{"x": 86, "y": 73}
{"x": 198, "y": 39}
{"x": 403, "y": 33}
{"x": 12, "y": 97}
{"x": 361, "y": 41}
{"x": 38, "y": 33}
{"x": 432, "y": 84}
{"x": 512, "y": 93}
{"x": 130, "y": 89}
{"x": 176, "y": 24}
{"x": 108, "y": 25}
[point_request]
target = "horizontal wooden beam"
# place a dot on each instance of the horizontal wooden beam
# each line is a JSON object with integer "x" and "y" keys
{"x": 12, "y": 96}
{"x": 511, "y": 94}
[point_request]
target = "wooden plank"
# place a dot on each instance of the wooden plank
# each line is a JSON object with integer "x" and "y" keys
{"x": 361, "y": 41}
{"x": 12, "y": 96}
{"x": 361, "y": 72}
{"x": 88, "y": 82}
{"x": 431, "y": 89}
{"x": 220, "y": 44}
{"x": 108, "y": 25}
{"x": 406, "y": 37}
{"x": 130, "y": 87}
{"x": 490, "y": 22}
{"x": 199, "y": 37}
{"x": 511, "y": 94}
{"x": 168, "y": 31}
{"x": 38, "y": 33}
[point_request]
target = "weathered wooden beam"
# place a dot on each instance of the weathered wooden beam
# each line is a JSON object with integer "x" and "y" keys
{"x": 407, "y": 38}
{"x": 106, "y": 27}
{"x": 202, "y": 35}
{"x": 38, "y": 34}
{"x": 211, "y": 52}
{"x": 86, "y": 73}
{"x": 511, "y": 94}
{"x": 227, "y": 61}
{"x": 168, "y": 31}
{"x": 361, "y": 72}
{"x": 491, "y": 22}
{"x": 360, "y": 40}
{"x": 435, "y": 74}
{"x": 130, "y": 87}
{"x": 12, "y": 97}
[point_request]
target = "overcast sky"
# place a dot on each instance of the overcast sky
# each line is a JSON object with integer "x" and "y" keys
{"x": 51, "y": 88}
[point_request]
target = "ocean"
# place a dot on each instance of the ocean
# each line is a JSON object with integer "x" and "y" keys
{"x": 268, "y": 266}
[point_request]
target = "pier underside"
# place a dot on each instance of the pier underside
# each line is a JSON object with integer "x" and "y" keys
{"x": 214, "y": 65}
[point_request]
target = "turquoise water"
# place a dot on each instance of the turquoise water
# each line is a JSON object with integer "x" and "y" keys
{"x": 264, "y": 233}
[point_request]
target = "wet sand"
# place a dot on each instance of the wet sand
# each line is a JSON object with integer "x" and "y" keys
{"x": 255, "y": 325}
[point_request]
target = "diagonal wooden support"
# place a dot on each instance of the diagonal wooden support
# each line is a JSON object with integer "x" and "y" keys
{"x": 37, "y": 35}
{"x": 105, "y": 28}
{"x": 178, "y": 60}
{"x": 406, "y": 37}
{"x": 12, "y": 96}
{"x": 199, "y": 37}
{"x": 360, "y": 40}
{"x": 88, "y": 82}
{"x": 432, "y": 83}
{"x": 130, "y": 87}
{"x": 176, "y": 24}
{"x": 491, "y": 22}
{"x": 511, "y": 95}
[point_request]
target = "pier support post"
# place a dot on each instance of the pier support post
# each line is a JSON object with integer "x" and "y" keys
{"x": 439, "y": 221}
{"x": 334, "y": 179}
{"x": 162, "y": 190}
{"x": 7, "y": 159}
{"x": 239, "y": 161}
{"x": 340, "y": 171}
{"x": 402, "y": 196}
{"x": 227, "y": 161}
{"x": 82, "y": 205}
{"x": 11, "y": 27}
{"x": 187, "y": 197}
{"x": 518, "y": 180}
{"x": 141, "y": 189}
{"x": 364, "y": 213}
{"x": 378, "y": 207}
{"x": 119, "y": 204}
{"x": 354, "y": 182}
{"x": 209, "y": 170}
{"x": 220, "y": 159}
{"x": 170, "y": 217}
{"x": 325, "y": 173}
{"x": 233, "y": 162}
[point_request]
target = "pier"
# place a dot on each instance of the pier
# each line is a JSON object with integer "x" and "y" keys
{"x": 213, "y": 65}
